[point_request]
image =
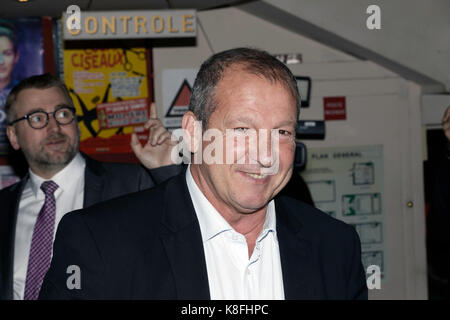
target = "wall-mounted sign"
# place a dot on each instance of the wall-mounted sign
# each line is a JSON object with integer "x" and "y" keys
{"x": 310, "y": 130}
{"x": 289, "y": 58}
{"x": 177, "y": 85}
{"x": 109, "y": 89}
{"x": 129, "y": 24}
{"x": 304, "y": 88}
{"x": 334, "y": 108}
{"x": 122, "y": 113}
{"x": 348, "y": 184}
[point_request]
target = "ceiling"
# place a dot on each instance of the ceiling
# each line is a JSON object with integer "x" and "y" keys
{"x": 54, "y": 8}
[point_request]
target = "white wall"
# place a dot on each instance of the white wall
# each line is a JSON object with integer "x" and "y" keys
{"x": 433, "y": 109}
{"x": 414, "y": 33}
{"x": 382, "y": 108}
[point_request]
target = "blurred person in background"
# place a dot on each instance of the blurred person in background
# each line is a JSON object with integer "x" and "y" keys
{"x": 437, "y": 196}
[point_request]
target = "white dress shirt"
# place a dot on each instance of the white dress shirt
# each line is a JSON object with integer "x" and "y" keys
{"x": 231, "y": 274}
{"x": 69, "y": 196}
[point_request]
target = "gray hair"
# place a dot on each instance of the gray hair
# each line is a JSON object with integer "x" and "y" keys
{"x": 253, "y": 61}
{"x": 43, "y": 81}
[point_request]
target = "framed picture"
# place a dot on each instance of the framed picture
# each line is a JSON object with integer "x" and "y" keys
{"x": 21, "y": 56}
{"x": 304, "y": 87}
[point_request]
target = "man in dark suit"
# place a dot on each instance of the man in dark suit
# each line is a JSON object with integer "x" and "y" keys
{"x": 437, "y": 193}
{"x": 50, "y": 147}
{"x": 218, "y": 230}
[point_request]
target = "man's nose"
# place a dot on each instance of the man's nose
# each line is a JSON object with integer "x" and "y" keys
{"x": 267, "y": 148}
{"x": 53, "y": 125}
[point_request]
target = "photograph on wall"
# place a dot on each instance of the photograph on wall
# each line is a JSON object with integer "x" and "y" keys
{"x": 109, "y": 88}
{"x": 21, "y": 56}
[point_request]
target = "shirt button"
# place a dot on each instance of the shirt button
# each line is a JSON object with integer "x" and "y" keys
{"x": 234, "y": 237}
{"x": 248, "y": 271}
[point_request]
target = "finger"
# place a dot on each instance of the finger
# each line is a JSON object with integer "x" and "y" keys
{"x": 159, "y": 134}
{"x": 135, "y": 144}
{"x": 446, "y": 123}
{"x": 163, "y": 137}
{"x": 446, "y": 128}
{"x": 153, "y": 114}
{"x": 446, "y": 115}
{"x": 155, "y": 134}
{"x": 151, "y": 123}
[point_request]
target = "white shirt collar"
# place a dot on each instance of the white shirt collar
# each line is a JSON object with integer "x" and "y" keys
{"x": 64, "y": 178}
{"x": 211, "y": 221}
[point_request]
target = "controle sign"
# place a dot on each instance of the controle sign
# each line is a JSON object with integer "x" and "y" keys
{"x": 84, "y": 25}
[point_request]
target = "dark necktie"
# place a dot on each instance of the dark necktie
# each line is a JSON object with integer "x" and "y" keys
{"x": 41, "y": 243}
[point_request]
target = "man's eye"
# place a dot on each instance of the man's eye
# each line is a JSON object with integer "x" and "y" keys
{"x": 63, "y": 114}
{"x": 241, "y": 130}
{"x": 37, "y": 118}
{"x": 285, "y": 133}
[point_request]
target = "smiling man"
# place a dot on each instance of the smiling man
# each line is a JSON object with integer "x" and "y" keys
{"x": 218, "y": 230}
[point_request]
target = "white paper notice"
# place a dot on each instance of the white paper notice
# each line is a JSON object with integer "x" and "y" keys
{"x": 347, "y": 183}
{"x": 177, "y": 86}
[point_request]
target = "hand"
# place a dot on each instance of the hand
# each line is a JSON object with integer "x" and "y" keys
{"x": 157, "y": 151}
{"x": 446, "y": 123}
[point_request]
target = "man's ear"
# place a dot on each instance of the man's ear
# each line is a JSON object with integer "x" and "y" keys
{"x": 12, "y": 136}
{"x": 192, "y": 131}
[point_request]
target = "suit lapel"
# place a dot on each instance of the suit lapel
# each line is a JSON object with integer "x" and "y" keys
{"x": 7, "y": 238}
{"x": 93, "y": 182}
{"x": 295, "y": 255}
{"x": 183, "y": 242}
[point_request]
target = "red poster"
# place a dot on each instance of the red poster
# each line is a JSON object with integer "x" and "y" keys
{"x": 334, "y": 108}
{"x": 122, "y": 113}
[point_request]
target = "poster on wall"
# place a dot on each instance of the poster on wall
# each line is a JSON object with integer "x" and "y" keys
{"x": 347, "y": 183}
{"x": 21, "y": 56}
{"x": 177, "y": 86}
{"x": 109, "y": 88}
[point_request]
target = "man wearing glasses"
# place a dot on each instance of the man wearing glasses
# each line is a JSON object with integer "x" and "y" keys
{"x": 42, "y": 123}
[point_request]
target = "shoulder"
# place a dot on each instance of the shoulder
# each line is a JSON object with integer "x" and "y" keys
{"x": 9, "y": 203}
{"x": 131, "y": 204}
{"x": 334, "y": 242}
{"x": 120, "y": 227}
{"x": 99, "y": 167}
{"x": 315, "y": 222}
{"x": 117, "y": 178}
{"x": 12, "y": 189}
{"x": 126, "y": 214}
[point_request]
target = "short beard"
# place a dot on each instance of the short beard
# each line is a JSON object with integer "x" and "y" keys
{"x": 45, "y": 162}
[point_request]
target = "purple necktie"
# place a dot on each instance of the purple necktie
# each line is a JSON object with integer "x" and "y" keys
{"x": 41, "y": 243}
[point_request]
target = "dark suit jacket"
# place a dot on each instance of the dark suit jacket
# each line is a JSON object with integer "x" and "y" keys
{"x": 147, "y": 245}
{"x": 103, "y": 181}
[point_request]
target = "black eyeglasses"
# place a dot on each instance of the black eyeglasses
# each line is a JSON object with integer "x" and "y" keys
{"x": 39, "y": 119}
